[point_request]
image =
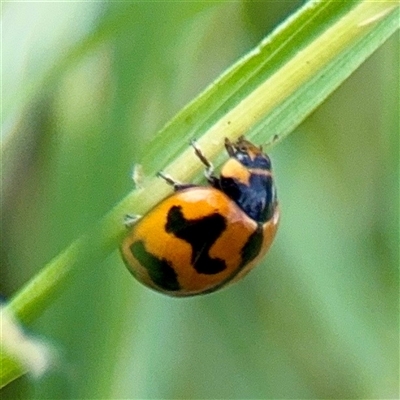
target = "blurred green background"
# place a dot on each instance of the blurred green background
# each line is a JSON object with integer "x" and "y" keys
{"x": 85, "y": 87}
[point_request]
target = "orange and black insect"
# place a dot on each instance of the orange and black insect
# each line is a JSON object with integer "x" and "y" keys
{"x": 202, "y": 238}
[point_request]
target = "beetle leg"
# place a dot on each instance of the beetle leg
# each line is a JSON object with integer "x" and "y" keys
{"x": 209, "y": 171}
{"x": 130, "y": 220}
{"x": 137, "y": 176}
{"x": 230, "y": 149}
{"x": 272, "y": 141}
{"x": 171, "y": 181}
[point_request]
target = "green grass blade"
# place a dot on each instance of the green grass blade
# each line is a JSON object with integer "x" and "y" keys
{"x": 287, "y": 76}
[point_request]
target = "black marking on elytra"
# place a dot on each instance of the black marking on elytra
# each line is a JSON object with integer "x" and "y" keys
{"x": 252, "y": 247}
{"x": 257, "y": 199}
{"x": 201, "y": 234}
{"x": 249, "y": 252}
{"x": 160, "y": 270}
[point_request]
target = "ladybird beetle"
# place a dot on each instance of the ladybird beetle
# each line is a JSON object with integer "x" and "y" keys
{"x": 201, "y": 238}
